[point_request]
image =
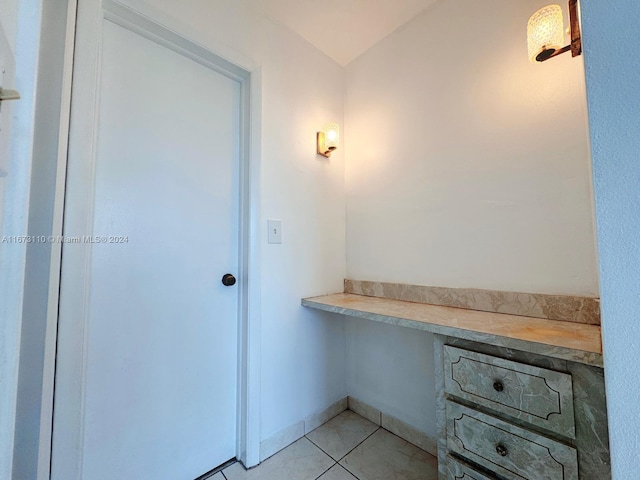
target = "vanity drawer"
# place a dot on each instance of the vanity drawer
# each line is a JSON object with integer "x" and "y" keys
{"x": 510, "y": 451}
{"x": 461, "y": 471}
{"x": 538, "y": 396}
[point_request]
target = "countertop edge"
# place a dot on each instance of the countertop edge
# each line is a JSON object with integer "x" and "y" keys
{"x": 564, "y": 353}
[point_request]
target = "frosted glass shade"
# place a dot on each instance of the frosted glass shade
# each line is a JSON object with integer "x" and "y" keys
{"x": 328, "y": 139}
{"x": 331, "y": 135}
{"x": 545, "y": 32}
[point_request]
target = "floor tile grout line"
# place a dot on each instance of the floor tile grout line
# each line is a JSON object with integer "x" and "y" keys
{"x": 320, "y": 448}
{"x": 341, "y": 458}
{"x": 379, "y": 425}
{"x": 337, "y": 462}
{"x": 340, "y": 466}
{"x": 367, "y": 438}
{"x": 334, "y": 464}
{"x": 334, "y": 461}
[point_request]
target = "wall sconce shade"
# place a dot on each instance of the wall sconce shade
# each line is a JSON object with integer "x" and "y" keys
{"x": 328, "y": 139}
{"x": 545, "y": 33}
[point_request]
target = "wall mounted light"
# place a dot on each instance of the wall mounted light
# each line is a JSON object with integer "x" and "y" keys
{"x": 545, "y": 32}
{"x": 327, "y": 140}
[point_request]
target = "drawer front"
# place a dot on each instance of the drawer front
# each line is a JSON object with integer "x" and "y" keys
{"x": 460, "y": 471}
{"x": 535, "y": 395}
{"x": 508, "y": 450}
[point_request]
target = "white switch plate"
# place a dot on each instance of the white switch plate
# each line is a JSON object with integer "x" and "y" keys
{"x": 275, "y": 231}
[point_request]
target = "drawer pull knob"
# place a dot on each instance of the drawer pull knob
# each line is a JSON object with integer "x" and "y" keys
{"x": 502, "y": 450}
{"x": 498, "y": 386}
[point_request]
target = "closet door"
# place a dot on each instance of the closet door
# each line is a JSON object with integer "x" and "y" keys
{"x": 146, "y": 372}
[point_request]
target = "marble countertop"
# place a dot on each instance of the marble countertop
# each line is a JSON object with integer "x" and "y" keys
{"x": 553, "y": 338}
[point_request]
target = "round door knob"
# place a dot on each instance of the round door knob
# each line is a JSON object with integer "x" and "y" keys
{"x": 228, "y": 280}
{"x": 502, "y": 450}
{"x": 498, "y": 386}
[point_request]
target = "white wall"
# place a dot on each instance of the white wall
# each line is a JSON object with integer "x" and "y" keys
{"x": 20, "y": 22}
{"x": 9, "y": 22}
{"x": 391, "y": 369}
{"x": 613, "y": 76}
{"x": 467, "y": 167}
{"x": 302, "y": 352}
{"x": 463, "y": 159}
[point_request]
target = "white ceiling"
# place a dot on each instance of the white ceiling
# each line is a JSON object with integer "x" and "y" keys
{"x": 343, "y": 29}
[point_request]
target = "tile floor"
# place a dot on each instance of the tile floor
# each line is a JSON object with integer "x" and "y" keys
{"x": 347, "y": 447}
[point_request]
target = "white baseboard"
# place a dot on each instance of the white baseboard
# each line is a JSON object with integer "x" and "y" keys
{"x": 394, "y": 425}
{"x": 280, "y": 440}
{"x": 364, "y": 410}
{"x": 272, "y": 445}
{"x": 314, "y": 421}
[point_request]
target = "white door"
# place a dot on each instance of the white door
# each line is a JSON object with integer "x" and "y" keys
{"x": 146, "y": 371}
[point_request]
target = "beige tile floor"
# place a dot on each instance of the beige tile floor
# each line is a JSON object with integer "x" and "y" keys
{"x": 347, "y": 447}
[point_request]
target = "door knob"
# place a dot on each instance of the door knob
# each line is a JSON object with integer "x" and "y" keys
{"x": 228, "y": 280}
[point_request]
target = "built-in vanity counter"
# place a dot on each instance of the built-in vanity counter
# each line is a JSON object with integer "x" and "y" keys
{"x": 519, "y": 397}
{"x": 553, "y": 338}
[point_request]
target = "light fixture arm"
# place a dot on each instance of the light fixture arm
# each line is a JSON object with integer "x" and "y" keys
{"x": 576, "y": 35}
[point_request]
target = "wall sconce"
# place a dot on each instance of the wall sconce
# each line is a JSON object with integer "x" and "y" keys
{"x": 327, "y": 140}
{"x": 545, "y": 32}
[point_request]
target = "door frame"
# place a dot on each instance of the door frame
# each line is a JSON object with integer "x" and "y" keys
{"x": 248, "y": 394}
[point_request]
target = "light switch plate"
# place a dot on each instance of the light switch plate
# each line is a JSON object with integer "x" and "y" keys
{"x": 275, "y": 231}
